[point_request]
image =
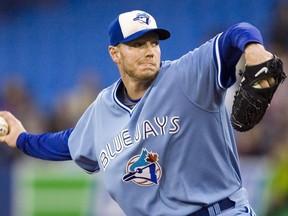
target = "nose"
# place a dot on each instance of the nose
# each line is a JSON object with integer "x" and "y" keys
{"x": 149, "y": 49}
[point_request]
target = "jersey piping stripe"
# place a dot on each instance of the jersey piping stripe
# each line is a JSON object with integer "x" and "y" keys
{"x": 218, "y": 59}
{"x": 126, "y": 108}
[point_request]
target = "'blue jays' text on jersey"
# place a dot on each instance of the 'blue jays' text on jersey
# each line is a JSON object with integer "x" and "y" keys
{"x": 175, "y": 150}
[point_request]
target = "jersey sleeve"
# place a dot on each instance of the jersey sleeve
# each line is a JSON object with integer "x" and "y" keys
{"x": 82, "y": 142}
{"x": 205, "y": 73}
{"x": 196, "y": 74}
{"x": 46, "y": 146}
{"x": 229, "y": 47}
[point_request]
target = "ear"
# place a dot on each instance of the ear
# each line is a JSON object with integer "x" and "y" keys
{"x": 114, "y": 53}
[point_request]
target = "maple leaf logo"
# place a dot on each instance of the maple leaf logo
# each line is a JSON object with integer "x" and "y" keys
{"x": 152, "y": 157}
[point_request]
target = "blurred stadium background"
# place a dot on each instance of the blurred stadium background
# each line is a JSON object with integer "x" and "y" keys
{"x": 54, "y": 61}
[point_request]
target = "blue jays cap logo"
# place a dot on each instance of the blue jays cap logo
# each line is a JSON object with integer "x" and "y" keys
{"x": 131, "y": 25}
{"x": 142, "y": 17}
{"x": 143, "y": 169}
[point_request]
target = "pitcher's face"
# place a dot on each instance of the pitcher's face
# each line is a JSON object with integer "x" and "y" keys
{"x": 140, "y": 58}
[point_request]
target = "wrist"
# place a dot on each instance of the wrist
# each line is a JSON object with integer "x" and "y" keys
{"x": 255, "y": 53}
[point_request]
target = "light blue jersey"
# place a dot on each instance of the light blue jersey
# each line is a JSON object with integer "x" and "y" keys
{"x": 172, "y": 153}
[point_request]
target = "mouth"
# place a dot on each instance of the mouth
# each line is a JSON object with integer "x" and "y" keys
{"x": 148, "y": 65}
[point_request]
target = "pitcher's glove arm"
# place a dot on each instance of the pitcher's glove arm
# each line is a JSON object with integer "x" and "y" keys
{"x": 250, "y": 103}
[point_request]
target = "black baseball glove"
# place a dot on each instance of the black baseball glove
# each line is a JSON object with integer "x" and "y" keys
{"x": 250, "y": 103}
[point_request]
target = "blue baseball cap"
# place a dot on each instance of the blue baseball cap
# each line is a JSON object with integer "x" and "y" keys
{"x": 132, "y": 25}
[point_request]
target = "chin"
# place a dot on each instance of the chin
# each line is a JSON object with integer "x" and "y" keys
{"x": 148, "y": 76}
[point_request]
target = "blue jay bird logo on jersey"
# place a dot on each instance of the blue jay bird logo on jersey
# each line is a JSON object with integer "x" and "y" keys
{"x": 142, "y": 17}
{"x": 143, "y": 169}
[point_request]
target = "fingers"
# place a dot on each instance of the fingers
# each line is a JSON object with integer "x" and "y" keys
{"x": 15, "y": 129}
{"x": 6, "y": 115}
{"x": 265, "y": 83}
{"x": 271, "y": 81}
{"x": 9, "y": 117}
{"x": 2, "y": 138}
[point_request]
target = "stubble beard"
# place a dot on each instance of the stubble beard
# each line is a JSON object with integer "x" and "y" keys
{"x": 146, "y": 75}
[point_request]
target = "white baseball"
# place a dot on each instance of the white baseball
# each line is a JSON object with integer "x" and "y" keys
{"x": 4, "y": 128}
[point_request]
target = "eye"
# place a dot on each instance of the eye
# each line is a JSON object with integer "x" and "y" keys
{"x": 155, "y": 43}
{"x": 138, "y": 44}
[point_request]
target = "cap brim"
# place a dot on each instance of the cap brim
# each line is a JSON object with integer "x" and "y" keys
{"x": 163, "y": 34}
